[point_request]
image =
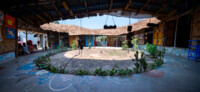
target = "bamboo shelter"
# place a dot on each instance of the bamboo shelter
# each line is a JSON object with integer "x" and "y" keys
{"x": 75, "y": 30}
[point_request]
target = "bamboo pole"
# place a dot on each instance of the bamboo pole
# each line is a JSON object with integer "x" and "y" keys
{"x": 175, "y": 36}
{"x": 16, "y": 37}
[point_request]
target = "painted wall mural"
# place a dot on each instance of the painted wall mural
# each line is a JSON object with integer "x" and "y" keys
{"x": 8, "y": 56}
{"x": 10, "y": 33}
{"x": 1, "y": 23}
{"x": 10, "y": 26}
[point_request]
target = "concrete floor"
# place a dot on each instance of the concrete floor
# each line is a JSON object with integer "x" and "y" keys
{"x": 176, "y": 75}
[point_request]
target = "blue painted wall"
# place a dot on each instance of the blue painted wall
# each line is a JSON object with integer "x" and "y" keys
{"x": 91, "y": 40}
{"x": 86, "y": 41}
{"x": 7, "y": 57}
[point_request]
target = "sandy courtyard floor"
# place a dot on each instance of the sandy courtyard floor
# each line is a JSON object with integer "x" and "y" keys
{"x": 101, "y": 54}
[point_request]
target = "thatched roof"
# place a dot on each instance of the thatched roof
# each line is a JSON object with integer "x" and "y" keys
{"x": 75, "y": 30}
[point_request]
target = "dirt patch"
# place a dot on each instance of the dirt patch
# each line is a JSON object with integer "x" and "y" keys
{"x": 92, "y": 59}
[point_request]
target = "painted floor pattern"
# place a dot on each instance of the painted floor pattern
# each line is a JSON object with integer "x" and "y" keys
{"x": 177, "y": 74}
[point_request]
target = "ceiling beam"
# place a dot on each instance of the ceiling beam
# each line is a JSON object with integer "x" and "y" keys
{"x": 67, "y": 8}
{"x": 60, "y": 14}
{"x": 164, "y": 6}
{"x": 33, "y": 12}
{"x": 169, "y": 15}
{"x": 141, "y": 9}
{"x": 85, "y": 13}
{"x": 47, "y": 15}
{"x": 111, "y": 2}
{"x": 86, "y": 7}
{"x": 127, "y": 6}
{"x": 27, "y": 20}
{"x": 146, "y": 12}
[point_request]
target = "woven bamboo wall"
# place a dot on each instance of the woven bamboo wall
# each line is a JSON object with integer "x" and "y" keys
{"x": 71, "y": 38}
{"x": 195, "y": 25}
{"x": 140, "y": 36}
{"x": 6, "y": 45}
{"x": 111, "y": 40}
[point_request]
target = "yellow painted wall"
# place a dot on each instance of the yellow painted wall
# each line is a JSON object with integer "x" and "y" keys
{"x": 158, "y": 35}
{"x": 155, "y": 36}
{"x": 71, "y": 38}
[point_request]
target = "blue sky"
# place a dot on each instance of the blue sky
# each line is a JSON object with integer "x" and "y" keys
{"x": 97, "y": 22}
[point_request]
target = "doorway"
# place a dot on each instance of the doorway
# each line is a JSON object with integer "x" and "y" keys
{"x": 149, "y": 35}
{"x": 170, "y": 33}
{"x": 183, "y": 31}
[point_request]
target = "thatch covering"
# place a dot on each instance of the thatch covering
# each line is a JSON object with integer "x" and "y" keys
{"x": 75, "y": 30}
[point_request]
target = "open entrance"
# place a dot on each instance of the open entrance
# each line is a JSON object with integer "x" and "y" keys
{"x": 28, "y": 42}
{"x": 183, "y": 31}
{"x": 149, "y": 35}
{"x": 100, "y": 40}
{"x": 170, "y": 32}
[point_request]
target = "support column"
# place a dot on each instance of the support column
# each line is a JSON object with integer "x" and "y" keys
{"x": 59, "y": 39}
{"x": 16, "y": 37}
{"x": 175, "y": 36}
{"x": 26, "y": 36}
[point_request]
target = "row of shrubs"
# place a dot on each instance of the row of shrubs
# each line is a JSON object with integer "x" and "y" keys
{"x": 140, "y": 66}
{"x": 122, "y": 72}
{"x": 43, "y": 62}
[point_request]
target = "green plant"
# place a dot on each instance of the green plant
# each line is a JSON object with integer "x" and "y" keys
{"x": 47, "y": 60}
{"x": 82, "y": 72}
{"x": 100, "y": 72}
{"x": 128, "y": 71}
{"x": 42, "y": 66}
{"x": 125, "y": 45}
{"x": 151, "y": 49}
{"x": 53, "y": 69}
{"x": 135, "y": 45}
{"x": 121, "y": 72}
{"x": 161, "y": 53}
{"x": 112, "y": 72}
{"x": 74, "y": 46}
{"x": 137, "y": 65}
{"x": 153, "y": 66}
{"x": 140, "y": 63}
{"x": 63, "y": 71}
{"x": 159, "y": 62}
{"x": 89, "y": 45}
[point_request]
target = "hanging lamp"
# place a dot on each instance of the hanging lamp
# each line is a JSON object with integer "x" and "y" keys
{"x": 111, "y": 26}
{"x": 129, "y": 26}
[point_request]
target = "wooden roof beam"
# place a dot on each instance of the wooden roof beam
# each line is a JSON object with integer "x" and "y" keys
{"x": 127, "y": 6}
{"x": 27, "y": 20}
{"x": 144, "y": 5}
{"x": 60, "y": 14}
{"x": 92, "y": 12}
{"x": 86, "y": 7}
{"x": 164, "y": 6}
{"x": 33, "y": 12}
{"x": 47, "y": 15}
{"x": 146, "y": 12}
{"x": 111, "y": 2}
{"x": 169, "y": 15}
{"x": 67, "y": 8}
